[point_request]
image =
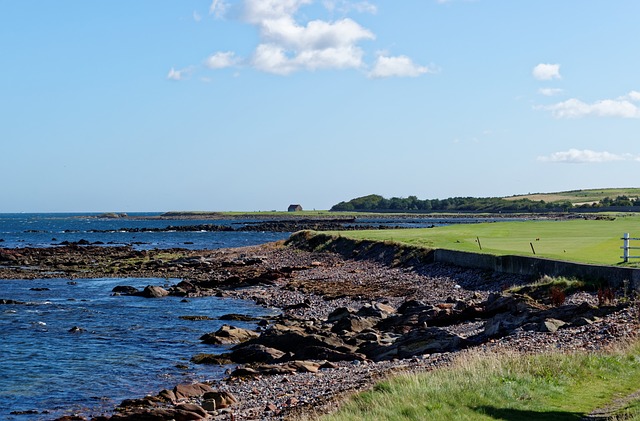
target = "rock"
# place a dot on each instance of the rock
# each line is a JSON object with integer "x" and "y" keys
{"x": 191, "y": 408}
{"x": 244, "y": 372}
{"x": 167, "y": 395}
{"x": 228, "y": 335}
{"x": 428, "y": 341}
{"x": 152, "y": 291}
{"x": 353, "y": 323}
{"x": 125, "y": 290}
{"x": 328, "y": 354}
{"x": 11, "y": 302}
{"x": 255, "y": 353}
{"x": 304, "y": 366}
{"x": 551, "y": 325}
{"x": 378, "y": 310}
{"x": 213, "y": 359}
{"x": 185, "y": 391}
{"x": 339, "y": 313}
{"x": 237, "y": 317}
{"x": 218, "y": 400}
{"x": 503, "y": 323}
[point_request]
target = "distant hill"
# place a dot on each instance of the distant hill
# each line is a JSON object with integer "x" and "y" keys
{"x": 581, "y": 197}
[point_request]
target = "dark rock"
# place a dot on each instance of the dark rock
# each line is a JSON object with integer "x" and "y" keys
{"x": 339, "y": 313}
{"x": 237, "y": 317}
{"x": 211, "y": 359}
{"x": 125, "y": 290}
{"x": 11, "y": 302}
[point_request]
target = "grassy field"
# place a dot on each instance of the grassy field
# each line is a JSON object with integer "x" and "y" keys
{"x": 580, "y": 196}
{"x": 484, "y": 386}
{"x": 587, "y": 241}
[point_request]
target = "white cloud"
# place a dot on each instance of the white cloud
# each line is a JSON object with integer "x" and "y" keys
{"x": 550, "y": 91}
{"x": 576, "y": 156}
{"x": 196, "y": 16}
{"x": 288, "y": 44}
{"x": 222, "y": 60}
{"x": 545, "y": 71}
{"x": 620, "y": 107}
{"x": 401, "y": 66}
{"x": 178, "y": 74}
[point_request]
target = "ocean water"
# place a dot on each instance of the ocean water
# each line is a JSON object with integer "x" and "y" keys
{"x": 127, "y": 347}
{"x": 46, "y": 230}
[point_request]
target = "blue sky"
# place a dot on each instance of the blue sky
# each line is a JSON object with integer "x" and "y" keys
{"x": 156, "y": 105}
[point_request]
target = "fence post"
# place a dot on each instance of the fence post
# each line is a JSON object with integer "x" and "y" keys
{"x": 625, "y": 247}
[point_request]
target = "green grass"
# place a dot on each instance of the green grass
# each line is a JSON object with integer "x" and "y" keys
{"x": 587, "y": 241}
{"x": 484, "y": 386}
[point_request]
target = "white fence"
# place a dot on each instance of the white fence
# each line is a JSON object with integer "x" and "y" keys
{"x": 626, "y": 247}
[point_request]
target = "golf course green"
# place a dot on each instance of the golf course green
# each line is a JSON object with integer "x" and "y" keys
{"x": 597, "y": 240}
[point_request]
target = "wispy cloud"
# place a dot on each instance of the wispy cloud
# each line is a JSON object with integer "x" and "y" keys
{"x": 550, "y": 91}
{"x": 344, "y": 6}
{"x": 218, "y": 8}
{"x": 622, "y": 106}
{"x": 400, "y": 66}
{"x": 577, "y": 156}
{"x": 222, "y": 60}
{"x": 179, "y": 74}
{"x": 546, "y": 71}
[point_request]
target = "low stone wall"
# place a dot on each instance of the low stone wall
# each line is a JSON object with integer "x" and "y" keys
{"x": 534, "y": 266}
{"x": 397, "y": 254}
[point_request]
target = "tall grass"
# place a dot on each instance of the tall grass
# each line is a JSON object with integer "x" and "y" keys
{"x": 489, "y": 386}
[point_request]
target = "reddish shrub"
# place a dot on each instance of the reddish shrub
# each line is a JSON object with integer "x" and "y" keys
{"x": 557, "y": 296}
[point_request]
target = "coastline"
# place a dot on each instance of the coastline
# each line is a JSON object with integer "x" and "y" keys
{"x": 309, "y": 287}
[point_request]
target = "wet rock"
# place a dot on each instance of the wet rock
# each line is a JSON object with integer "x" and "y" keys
{"x": 125, "y": 290}
{"x": 11, "y": 302}
{"x": 237, "y": 317}
{"x": 212, "y": 359}
{"x": 152, "y": 291}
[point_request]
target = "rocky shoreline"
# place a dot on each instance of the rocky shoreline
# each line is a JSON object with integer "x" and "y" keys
{"x": 347, "y": 321}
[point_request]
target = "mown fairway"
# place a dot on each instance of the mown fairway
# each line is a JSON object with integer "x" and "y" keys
{"x": 588, "y": 241}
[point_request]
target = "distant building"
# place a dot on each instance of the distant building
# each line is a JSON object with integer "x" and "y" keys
{"x": 294, "y": 208}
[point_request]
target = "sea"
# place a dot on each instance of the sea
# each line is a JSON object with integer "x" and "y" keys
{"x": 75, "y": 348}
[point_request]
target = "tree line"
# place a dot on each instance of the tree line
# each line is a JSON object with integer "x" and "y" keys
{"x": 377, "y": 203}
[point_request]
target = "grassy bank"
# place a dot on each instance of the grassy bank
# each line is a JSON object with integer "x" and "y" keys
{"x": 586, "y": 241}
{"x": 484, "y": 386}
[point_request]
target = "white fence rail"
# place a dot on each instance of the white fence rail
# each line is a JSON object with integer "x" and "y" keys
{"x": 626, "y": 247}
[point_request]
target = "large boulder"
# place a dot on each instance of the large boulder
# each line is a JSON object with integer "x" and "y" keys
{"x": 152, "y": 291}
